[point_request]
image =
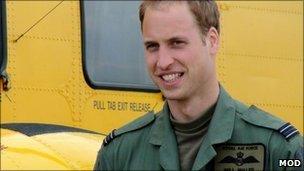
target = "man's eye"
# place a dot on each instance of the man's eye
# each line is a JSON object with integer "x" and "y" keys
{"x": 178, "y": 43}
{"x": 151, "y": 47}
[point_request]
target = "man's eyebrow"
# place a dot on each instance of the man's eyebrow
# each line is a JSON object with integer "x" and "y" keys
{"x": 148, "y": 42}
{"x": 172, "y": 39}
{"x": 176, "y": 38}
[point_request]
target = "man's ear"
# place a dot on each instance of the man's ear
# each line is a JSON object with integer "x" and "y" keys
{"x": 213, "y": 38}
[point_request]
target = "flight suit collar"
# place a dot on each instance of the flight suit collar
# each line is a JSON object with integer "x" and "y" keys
{"x": 220, "y": 130}
{"x": 162, "y": 135}
{"x": 222, "y": 122}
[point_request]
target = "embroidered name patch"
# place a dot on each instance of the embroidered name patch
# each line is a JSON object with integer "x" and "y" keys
{"x": 240, "y": 157}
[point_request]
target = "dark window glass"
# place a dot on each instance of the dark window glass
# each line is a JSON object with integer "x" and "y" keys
{"x": 113, "y": 50}
{"x": 3, "y": 49}
{"x": 1, "y": 36}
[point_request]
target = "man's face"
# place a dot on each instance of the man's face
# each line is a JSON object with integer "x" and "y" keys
{"x": 178, "y": 61}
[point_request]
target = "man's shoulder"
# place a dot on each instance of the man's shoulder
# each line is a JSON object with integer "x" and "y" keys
{"x": 138, "y": 124}
{"x": 257, "y": 117}
{"x": 123, "y": 141}
{"x": 281, "y": 139}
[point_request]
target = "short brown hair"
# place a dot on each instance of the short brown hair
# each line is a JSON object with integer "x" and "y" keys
{"x": 205, "y": 12}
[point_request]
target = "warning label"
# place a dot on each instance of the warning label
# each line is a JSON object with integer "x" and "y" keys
{"x": 121, "y": 106}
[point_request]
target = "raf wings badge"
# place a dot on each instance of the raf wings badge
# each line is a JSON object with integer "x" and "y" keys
{"x": 240, "y": 157}
{"x": 239, "y": 160}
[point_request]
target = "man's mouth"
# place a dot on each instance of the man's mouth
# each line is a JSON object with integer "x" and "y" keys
{"x": 172, "y": 77}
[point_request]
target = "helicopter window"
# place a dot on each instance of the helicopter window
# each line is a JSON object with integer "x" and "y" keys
{"x": 2, "y": 37}
{"x": 112, "y": 46}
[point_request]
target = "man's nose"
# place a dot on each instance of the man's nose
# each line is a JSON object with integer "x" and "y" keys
{"x": 164, "y": 59}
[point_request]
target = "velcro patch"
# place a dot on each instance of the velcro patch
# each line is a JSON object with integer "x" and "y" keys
{"x": 244, "y": 157}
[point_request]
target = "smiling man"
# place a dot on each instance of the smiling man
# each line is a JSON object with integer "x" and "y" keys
{"x": 200, "y": 127}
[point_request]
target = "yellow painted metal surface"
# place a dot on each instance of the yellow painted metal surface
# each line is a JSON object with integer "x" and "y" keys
{"x": 45, "y": 67}
{"x": 261, "y": 56}
{"x": 78, "y": 149}
{"x": 53, "y": 151}
{"x": 21, "y": 152}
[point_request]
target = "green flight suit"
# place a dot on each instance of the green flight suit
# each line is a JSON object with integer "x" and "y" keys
{"x": 238, "y": 137}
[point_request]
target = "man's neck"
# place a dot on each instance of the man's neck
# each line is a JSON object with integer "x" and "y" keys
{"x": 190, "y": 109}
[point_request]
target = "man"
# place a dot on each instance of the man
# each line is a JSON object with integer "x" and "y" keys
{"x": 200, "y": 127}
